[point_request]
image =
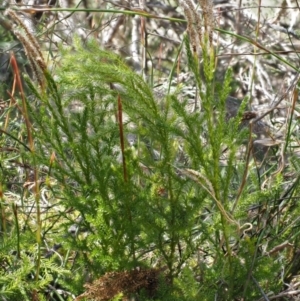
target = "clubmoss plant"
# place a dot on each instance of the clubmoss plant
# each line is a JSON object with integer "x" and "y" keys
{"x": 150, "y": 186}
{"x": 148, "y": 201}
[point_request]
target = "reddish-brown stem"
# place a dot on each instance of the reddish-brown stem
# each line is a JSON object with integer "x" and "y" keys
{"x": 15, "y": 211}
{"x": 15, "y": 68}
{"x": 120, "y": 121}
{"x": 18, "y": 83}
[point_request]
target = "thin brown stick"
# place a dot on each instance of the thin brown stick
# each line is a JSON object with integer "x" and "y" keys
{"x": 120, "y": 121}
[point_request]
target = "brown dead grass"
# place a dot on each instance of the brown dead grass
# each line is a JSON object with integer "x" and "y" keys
{"x": 126, "y": 282}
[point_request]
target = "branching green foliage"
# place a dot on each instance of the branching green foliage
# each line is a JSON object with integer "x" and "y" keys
{"x": 153, "y": 206}
{"x": 163, "y": 208}
{"x": 145, "y": 176}
{"x": 17, "y": 276}
{"x": 152, "y": 187}
{"x": 112, "y": 191}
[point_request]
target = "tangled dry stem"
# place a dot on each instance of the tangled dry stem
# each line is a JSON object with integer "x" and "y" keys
{"x": 125, "y": 282}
